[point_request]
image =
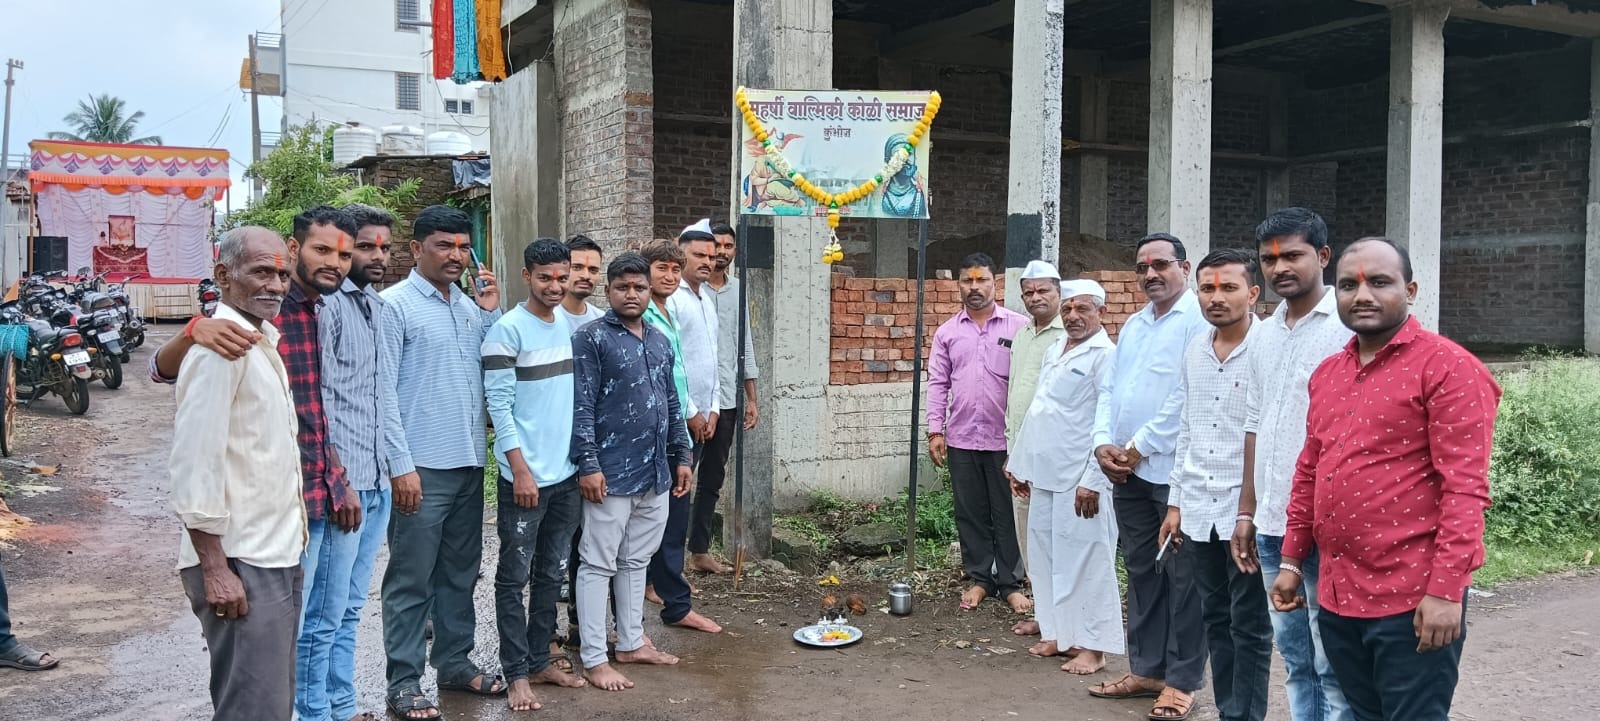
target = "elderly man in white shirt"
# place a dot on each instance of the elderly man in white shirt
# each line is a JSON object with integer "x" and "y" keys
{"x": 696, "y": 312}
{"x": 1072, "y": 532}
{"x": 1205, "y": 486}
{"x": 235, "y": 471}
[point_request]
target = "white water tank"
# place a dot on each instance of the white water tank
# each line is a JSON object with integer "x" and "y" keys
{"x": 449, "y": 142}
{"x": 401, "y": 140}
{"x": 353, "y": 142}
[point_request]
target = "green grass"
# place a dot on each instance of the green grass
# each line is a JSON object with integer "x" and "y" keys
{"x": 491, "y": 478}
{"x": 1508, "y": 561}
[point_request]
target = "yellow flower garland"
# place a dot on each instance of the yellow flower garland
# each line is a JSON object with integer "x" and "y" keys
{"x": 833, "y": 253}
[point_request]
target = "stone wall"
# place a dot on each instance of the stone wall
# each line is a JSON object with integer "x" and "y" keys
{"x": 436, "y": 183}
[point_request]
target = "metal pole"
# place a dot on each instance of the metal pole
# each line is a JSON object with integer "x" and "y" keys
{"x": 255, "y": 119}
{"x": 738, "y": 413}
{"x": 12, "y": 65}
{"x": 916, "y": 402}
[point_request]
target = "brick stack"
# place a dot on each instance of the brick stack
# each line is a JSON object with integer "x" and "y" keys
{"x": 874, "y": 321}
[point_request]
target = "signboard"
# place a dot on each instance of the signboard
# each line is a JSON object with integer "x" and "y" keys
{"x": 836, "y": 140}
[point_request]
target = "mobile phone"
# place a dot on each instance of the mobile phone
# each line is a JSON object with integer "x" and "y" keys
{"x": 1164, "y": 547}
{"x": 477, "y": 266}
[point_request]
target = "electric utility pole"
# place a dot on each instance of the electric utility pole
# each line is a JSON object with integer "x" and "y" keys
{"x": 12, "y": 65}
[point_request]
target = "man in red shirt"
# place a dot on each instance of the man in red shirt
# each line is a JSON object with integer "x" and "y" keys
{"x": 1390, "y": 489}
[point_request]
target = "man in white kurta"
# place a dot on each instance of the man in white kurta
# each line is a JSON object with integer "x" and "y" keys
{"x": 1072, "y": 528}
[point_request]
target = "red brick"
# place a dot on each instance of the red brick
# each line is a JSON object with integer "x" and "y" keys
{"x": 874, "y": 331}
{"x": 858, "y": 283}
{"x": 853, "y": 332}
{"x": 849, "y": 318}
{"x": 837, "y": 330}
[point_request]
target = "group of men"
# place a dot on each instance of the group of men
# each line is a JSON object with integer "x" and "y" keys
{"x": 319, "y": 419}
{"x": 1317, "y": 476}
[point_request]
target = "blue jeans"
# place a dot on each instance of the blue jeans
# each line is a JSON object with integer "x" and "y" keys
{"x": 1313, "y": 690}
{"x": 375, "y": 507}
{"x": 533, "y": 544}
{"x": 7, "y": 641}
{"x": 327, "y": 561}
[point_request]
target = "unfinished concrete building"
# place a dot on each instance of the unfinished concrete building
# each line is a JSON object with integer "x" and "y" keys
{"x": 1463, "y": 128}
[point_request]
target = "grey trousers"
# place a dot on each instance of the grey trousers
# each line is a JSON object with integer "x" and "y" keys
{"x": 1166, "y": 627}
{"x": 620, "y": 534}
{"x": 433, "y": 564}
{"x": 252, "y": 658}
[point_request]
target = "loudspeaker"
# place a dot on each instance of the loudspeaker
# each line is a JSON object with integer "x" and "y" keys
{"x": 49, "y": 253}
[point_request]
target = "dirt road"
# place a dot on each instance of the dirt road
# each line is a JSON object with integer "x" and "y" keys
{"x": 92, "y": 580}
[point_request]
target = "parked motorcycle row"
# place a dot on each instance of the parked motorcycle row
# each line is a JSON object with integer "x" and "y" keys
{"x": 61, "y": 335}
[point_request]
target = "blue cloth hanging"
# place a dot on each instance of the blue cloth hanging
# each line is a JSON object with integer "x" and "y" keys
{"x": 466, "y": 17}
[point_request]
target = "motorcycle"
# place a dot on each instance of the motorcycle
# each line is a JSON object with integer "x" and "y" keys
{"x": 209, "y": 296}
{"x": 129, "y": 326}
{"x": 56, "y": 360}
{"x": 97, "y": 330}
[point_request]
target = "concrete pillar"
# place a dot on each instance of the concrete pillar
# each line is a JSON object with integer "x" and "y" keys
{"x": 527, "y": 195}
{"x": 1180, "y": 122}
{"x": 606, "y": 90}
{"x": 1416, "y": 143}
{"x": 1276, "y": 187}
{"x": 891, "y": 248}
{"x": 784, "y": 45}
{"x": 1093, "y": 184}
{"x": 1033, "y": 201}
{"x": 1591, "y": 264}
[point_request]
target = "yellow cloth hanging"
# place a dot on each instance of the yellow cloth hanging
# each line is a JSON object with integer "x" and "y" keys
{"x": 491, "y": 54}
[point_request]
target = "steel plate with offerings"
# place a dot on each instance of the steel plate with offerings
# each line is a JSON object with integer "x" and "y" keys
{"x": 828, "y": 634}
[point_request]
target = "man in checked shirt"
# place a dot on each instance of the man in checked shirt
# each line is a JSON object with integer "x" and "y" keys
{"x": 320, "y": 255}
{"x": 1390, "y": 489}
{"x": 1205, "y": 483}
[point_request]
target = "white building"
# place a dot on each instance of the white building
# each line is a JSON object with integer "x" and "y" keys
{"x": 370, "y": 62}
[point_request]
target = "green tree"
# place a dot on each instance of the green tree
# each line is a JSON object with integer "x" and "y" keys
{"x": 104, "y": 119}
{"x": 299, "y": 174}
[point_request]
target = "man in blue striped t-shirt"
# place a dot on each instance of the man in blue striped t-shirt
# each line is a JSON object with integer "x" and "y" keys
{"x": 527, "y": 375}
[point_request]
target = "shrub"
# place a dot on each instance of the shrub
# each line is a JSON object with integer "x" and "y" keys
{"x": 1545, "y": 469}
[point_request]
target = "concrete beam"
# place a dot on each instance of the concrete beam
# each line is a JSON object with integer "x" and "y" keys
{"x": 1544, "y": 16}
{"x": 511, "y": 10}
{"x": 1591, "y": 253}
{"x": 1180, "y": 122}
{"x": 783, "y": 45}
{"x": 1299, "y": 34}
{"x": 1094, "y": 190}
{"x": 1033, "y": 197}
{"x": 1416, "y": 147}
{"x": 972, "y": 22}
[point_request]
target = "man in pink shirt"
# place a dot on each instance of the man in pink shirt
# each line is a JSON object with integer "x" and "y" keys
{"x": 967, "y": 376}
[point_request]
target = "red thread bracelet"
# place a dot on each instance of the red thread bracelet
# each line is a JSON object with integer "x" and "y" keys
{"x": 188, "y": 330}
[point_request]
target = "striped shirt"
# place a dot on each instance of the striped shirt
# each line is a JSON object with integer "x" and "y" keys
{"x": 527, "y": 375}
{"x": 1209, "y": 463}
{"x": 351, "y": 387}
{"x": 727, "y": 300}
{"x": 433, "y": 373}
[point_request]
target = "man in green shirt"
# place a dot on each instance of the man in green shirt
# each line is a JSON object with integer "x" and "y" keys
{"x": 1041, "y": 295}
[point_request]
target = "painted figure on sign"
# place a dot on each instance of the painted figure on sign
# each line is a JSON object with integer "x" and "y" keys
{"x": 903, "y": 193}
{"x": 117, "y": 253}
{"x": 765, "y": 187}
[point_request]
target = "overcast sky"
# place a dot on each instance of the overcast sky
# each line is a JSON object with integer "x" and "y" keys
{"x": 176, "y": 60}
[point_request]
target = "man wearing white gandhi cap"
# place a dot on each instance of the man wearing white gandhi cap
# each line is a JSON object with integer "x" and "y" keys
{"x": 1041, "y": 295}
{"x": 1072, "y": 528}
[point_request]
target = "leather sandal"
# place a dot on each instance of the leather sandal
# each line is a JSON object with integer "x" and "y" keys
{"x": 1172, "y": 705}
{"x": 1125, "y": 687}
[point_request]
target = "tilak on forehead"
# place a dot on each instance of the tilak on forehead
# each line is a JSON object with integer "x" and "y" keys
{"x": 1361, "y": 272}
{"x": 973, "y": 274}
{"x": 1275, "y": 250}
{"x": 277, "y": 260}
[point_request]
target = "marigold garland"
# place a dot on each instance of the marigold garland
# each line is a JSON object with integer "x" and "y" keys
{"x": 832, "y": 253}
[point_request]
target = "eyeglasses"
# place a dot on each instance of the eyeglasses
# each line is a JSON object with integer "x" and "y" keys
{"x": 1160, "y": 265}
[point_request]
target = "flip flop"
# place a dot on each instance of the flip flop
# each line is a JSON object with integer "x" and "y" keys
{"x": 27, "y": 658}
{"x": 403, "y": 703}
{"x": 489, "y": 686}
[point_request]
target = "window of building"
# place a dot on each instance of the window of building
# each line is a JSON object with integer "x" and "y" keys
{"x": 458, "y": 107}
{"x": 406, "y": 15}
{"x": 408, "y": 91}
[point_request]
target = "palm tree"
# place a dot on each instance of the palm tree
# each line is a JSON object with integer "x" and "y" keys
{"x": 101, "y": 119}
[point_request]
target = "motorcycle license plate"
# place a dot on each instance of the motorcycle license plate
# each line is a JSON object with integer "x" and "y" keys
{"x": 75, "y": 358}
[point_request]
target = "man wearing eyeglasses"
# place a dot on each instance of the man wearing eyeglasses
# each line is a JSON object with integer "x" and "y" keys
{"x": 1135, "y": 436}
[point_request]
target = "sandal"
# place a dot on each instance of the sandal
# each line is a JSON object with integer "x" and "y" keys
{"x": 562, "y": 662}
{"x": 1122, "y": 688}
{"x": 1172, "y": 705}
{"x": 25, "y": 657}
{"x": 409, "y": 701}
{"x": 496, "y": 686}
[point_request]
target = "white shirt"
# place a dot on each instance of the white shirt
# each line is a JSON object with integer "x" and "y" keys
{"x": 1280, "y": 375}
{"x": 1141, "y": 398}
{"x": 235, "y": 464}
{"x": 1209, "y": 467}
{"x": 696, "y": 314}
{"x": 1054, "y": 448}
